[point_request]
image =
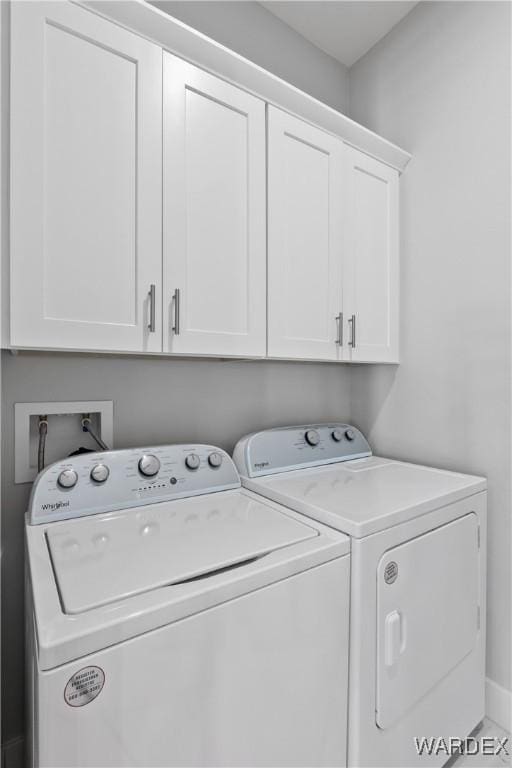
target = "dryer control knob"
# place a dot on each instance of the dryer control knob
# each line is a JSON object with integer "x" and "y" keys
{"x": 350, "y": 434}
{"x": 215, "y": 460}
{"x": 68, "y": 478}
{"x": 149, "y": 465}
{"x": 192, "y": 461}
{"x": 100, "y": 473}
{"x": 337, "y": 435}
{"x": 312, "y": 437}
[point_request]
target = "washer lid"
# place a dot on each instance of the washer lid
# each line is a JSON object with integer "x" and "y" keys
{"x": 103, "y": 559}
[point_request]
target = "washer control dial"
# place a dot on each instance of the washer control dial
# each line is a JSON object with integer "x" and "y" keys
{"x": 192, "y": 461}
{"x": 100, "y": 473}
{"x": 312, "y": 437}
{"x": 350, "y": 434}
{"x": 68, "y": 478}
{"x": 337, "y": 435}
{"x": 215, "y": 460}
{"x": 149, "y": 465}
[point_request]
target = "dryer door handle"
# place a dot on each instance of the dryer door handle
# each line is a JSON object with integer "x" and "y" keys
{"x": 394, "y": 638}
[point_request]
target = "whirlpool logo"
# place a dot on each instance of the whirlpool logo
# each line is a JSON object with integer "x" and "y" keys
{"x": 261, "y": 464}
{"x": 54, "y": 507}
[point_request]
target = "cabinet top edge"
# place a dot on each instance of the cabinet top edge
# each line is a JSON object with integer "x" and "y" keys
{"x": 191, "y": 45}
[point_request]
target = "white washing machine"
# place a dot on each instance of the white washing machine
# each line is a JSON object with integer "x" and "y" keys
{"x": 177, "y": 619}
{"x": 417, "y": 634}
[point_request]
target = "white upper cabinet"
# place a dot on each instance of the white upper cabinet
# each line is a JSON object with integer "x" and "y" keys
{"x": 85, "y": 182}
{"x": 158, "y": 208}
{"x": 371, "y": 286}
{"x": 305, "y": 240}
{"x": 214, "y": 264}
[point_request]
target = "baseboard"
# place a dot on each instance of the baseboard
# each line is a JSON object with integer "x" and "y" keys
{"x": 498, "y": 704}
{"x": 13, "y": 753}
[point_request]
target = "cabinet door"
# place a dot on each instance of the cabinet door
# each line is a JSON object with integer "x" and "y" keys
{"x": 305, "y": 175}
{"x": 86, "y": 182}
{"x": 214, "y": 215}
{"x": 371, "y": 256}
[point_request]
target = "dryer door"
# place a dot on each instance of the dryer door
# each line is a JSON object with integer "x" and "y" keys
{"x": 427, "y": 614}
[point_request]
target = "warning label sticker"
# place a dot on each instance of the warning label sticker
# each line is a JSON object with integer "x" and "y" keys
{"x": 391, "y": 572}
{"x": 84, "y": 686}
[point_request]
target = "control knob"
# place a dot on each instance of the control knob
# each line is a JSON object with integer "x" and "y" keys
{"x": 350, "y": 434}
{"x": 68, "y": 478}
{"x": 337, "y": 435}
{"x": 192, "y": 461}
{"x": 312, "y": 437}
{"x": 100, "y": 473}
{"x": 215, "y": 460}
{"x": 149, "y": 465}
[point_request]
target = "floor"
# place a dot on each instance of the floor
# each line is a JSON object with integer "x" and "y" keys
{"x": 488, "y": 730}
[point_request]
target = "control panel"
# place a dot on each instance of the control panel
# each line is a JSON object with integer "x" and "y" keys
{"x": 286, "y": 448}
{"x": 92, "y": 483}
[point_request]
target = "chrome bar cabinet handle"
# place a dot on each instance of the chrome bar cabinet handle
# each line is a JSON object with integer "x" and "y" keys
{"x": 352, "y": 321}
{"x": 176, "y": 301}
{"x": 152, "y": 308}
{"x": 339, "y": 321}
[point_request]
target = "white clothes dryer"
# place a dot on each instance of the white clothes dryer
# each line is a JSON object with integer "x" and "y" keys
{"x": 177, "y": 619}
{"x": 417, "y": 634}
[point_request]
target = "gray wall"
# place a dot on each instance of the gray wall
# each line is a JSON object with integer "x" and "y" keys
{"x": 249, "y": 29}
{"x": 439, "y": 85}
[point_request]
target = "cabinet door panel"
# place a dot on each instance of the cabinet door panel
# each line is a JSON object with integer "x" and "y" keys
{"x": 371, "y": 232}
{"x": 305, "y": 176}
{"x": 214, "y": 214}
{"x": 86, "y": 181}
